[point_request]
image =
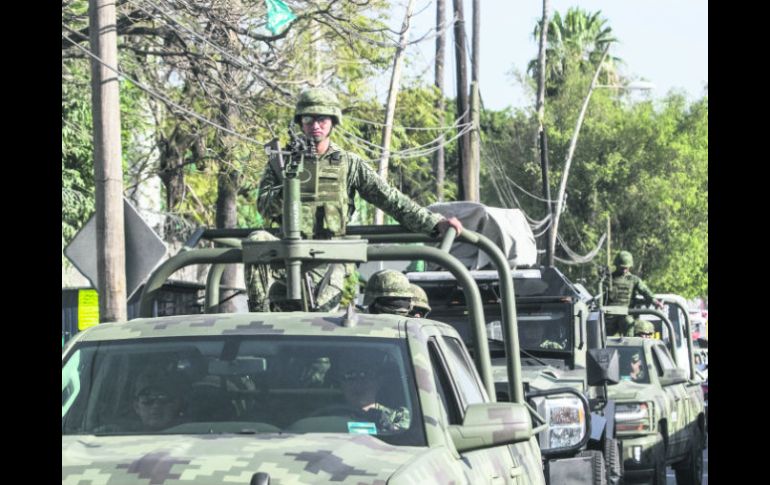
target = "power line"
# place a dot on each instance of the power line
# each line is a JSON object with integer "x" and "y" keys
{"x": 154, "y": 93}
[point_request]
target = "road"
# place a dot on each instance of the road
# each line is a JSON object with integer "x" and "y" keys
{"x": 670, "y": 480}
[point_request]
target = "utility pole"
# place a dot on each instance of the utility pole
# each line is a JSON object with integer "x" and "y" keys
{"x": 463, "y": 143}
{"x": 474, "y": 162}
{"x": 542, "y": 135}
{"x": 438, "y": 163}
{"x": 108, "y": 169}
{"x": 395, "y": 80}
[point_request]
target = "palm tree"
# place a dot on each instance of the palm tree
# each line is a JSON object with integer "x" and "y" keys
{"x": 575, "y": 44}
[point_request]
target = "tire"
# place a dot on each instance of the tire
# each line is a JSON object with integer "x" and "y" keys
{"x": 690, "y": 471}
{"x": 659, "y": 475}
{"x": 613, "y": 461}
{"x": 598, "y": 470}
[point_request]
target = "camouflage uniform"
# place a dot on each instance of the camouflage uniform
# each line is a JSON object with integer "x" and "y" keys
{"x": 388, "y": 291}
{"x": 388, "y": 419}
{"x": 622, "y": 291}
{"x": 328, "y": 187}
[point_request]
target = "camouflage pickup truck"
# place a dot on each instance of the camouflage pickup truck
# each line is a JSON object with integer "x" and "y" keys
{"x": 657, "y": 418}
{"x": 283, "y": 399}
{"x": 557, "y": 335}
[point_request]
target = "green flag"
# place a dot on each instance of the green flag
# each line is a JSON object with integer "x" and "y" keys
{"x": 278, "y": 15}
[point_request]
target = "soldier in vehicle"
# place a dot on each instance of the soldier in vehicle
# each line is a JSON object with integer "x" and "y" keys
{"x": 330, "y": 181}
{"x": 361, "y": 381}
{"x": 388, "y": 291}
{"x": 637, "y": 372}
{"x": 159, "y": 400}
{"x": 644, "y": 329}
{"x": 623, "y": 288}
{"x": 420, "y": 306}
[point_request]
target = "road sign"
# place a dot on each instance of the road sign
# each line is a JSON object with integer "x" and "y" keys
{"x": 144, "y": 249}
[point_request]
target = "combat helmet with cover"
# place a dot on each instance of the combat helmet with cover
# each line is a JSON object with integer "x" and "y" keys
{"x": 419, "y": 300}
{"x": 624, "y": 260}
{"x": 387, "y": 284}
{"x": 318, "y": 101}
{"x": 643, "y": 327}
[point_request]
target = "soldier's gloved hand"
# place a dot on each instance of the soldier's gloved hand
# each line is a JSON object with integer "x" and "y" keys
{"x": 445, "y": 224}
{"x": 659, "y": 304}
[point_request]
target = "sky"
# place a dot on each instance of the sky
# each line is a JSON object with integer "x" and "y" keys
{"x": 664, "y": 42}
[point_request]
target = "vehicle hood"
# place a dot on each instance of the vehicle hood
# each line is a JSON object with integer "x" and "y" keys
{"x": 209, "y": 459}
{"x": 544, "y": 377}
{"x": 628, "y": 391}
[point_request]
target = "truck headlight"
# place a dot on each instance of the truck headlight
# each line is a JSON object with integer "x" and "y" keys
{"x": 566, "y": 421}
{"x": 633, "y": 417}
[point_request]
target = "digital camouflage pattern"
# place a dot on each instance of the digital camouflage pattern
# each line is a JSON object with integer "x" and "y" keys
{"x": 674, "y": 417}
{"x": 622, "y": 290}
{"x": 643, "y": 326}
{"x": 419, "y": 299}
{"x": 624, "y": 259}
{"x": 387, "y": 283}
{"x": 296, "y": 458}
{"x": 359, "y": 178}
{"x": 318, "y": 101}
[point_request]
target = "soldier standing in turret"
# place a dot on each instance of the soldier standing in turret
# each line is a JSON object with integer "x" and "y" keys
{"x": 328, "y": 186}
{"x": 623, "y": 288}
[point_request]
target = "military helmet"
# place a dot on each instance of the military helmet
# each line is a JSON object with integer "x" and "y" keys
{"x": 635, "y": 358}
{"x": 318, "y": 101}
{"x": 387, "y": 283}
{"x": 624, "y": 260}
{"x": 643, "y": 326}
{"x": 419, "y": 299}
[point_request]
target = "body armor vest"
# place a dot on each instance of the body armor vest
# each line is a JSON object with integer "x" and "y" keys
{"x": 622, "y": 287}
{"x": 324, "y": 196}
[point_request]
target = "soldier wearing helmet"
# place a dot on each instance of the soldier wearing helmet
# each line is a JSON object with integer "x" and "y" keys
{"x": 420, "y": 306}
{"x": 388, "y": 291}
{"x": 622, "y": 289}
{"x": 644, "y": 329}
{"x": 329, "y": 182}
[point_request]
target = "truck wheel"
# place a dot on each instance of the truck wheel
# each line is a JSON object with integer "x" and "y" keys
{"x": 690, "y": 471}
{"x": 659, "y": 476}
{"x": 613, "y": 461}
{"x": 598, "y": 471}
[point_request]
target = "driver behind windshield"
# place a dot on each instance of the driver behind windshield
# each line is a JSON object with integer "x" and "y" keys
{"x": 159, "y": 400}
{"x": 361, "y": 380}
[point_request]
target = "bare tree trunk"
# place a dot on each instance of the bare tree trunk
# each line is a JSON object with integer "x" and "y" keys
{"x": 571, "y": 151}
{"x": 108, "y": 168}
{"x": 395, "y": 80}
{"x": 438, "y": 166}
{"x": 228, "y": 179}
{"x": 463, "y": 172}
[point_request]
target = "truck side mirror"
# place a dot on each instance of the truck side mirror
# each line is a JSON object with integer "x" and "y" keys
{"x": 602, "y": 367}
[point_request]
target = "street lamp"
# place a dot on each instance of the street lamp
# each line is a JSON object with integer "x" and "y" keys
{"x": 632, "y": 86}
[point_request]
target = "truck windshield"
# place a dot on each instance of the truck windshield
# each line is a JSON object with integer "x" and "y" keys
{"x": 243, "y": 384}
{"x": 633, "y": 364}
{"x": 545, "y": 326}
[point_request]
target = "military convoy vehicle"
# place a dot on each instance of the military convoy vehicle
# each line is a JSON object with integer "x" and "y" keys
{"x": 661, "y": 418}
{"x": 657, "y": 419}
{"x": 264, "y": 397}
{"x": 561, "y": 343}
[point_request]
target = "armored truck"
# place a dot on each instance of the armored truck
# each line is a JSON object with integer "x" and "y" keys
{"x": 657, "y": 418}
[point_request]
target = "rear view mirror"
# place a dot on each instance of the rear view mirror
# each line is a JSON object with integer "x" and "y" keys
{"x": 238, "y": 367}
{"x": 602, "y": 367}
